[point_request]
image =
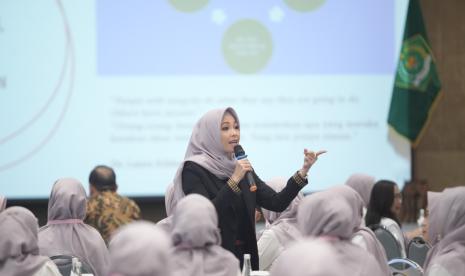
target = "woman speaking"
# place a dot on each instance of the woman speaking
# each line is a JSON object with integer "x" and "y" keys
{"x": 211, "y": 169}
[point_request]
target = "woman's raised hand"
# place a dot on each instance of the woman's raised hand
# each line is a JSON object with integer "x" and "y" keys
{"x": 310, "y": 158}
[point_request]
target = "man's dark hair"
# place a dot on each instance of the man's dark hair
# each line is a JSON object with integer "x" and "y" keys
{"x": 103, "y": 178}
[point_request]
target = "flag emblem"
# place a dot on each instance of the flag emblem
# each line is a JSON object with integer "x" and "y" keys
{"x": 414, "y": 68}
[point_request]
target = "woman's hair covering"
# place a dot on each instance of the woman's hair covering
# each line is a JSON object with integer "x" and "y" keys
{"x": 363, "y": 184}
{"x": 19, "y": 253}
{"x": 140, "y": 249}
{"x": 449, "y": 218}
{"x": 205, "y": 149}
{"x": 66, "y": 233}
{"x": 196, "y": 240}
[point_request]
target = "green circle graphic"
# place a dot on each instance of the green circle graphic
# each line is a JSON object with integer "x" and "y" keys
{"x": 304, "y": 5}
{"x": 247, "y": 46}
{"x": 188, "y": 5}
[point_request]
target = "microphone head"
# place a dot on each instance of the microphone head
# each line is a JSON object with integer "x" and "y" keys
{"x": 239, "y": 151}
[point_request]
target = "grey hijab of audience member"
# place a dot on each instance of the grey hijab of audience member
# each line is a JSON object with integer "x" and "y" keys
{"x": 205, "y": 149}
{"x": 363, "y": 184}
{"x": 19, "y": 253}
{"x": 449, "y": 215}
{"x": 327, "y": 214}
{"x": 284, "y": 224}
{"x": 65, "y": 233}
{"x": 433, "y": 229}
{"x": 318, "y": 257}
{"x": 140, "y": 249}
{"x": 308, "y": 257}
{"x": 166, "y": 223}
{"x": 2, "y": 203}
{"x": 373, "y": 246}
{"x": 197, "y": 240}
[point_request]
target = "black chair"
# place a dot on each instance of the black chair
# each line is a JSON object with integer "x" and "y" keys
{"x": 405, "y": 267}
{"x": 417, "y": 250}
{"x": 388, "y": 241}
{"x": 65, "y": 264}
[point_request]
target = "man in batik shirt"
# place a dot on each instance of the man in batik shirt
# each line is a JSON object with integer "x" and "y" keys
{"x": 106, "y": 209}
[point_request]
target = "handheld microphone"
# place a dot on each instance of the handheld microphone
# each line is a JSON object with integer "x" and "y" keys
{"x": 240, "y": 154}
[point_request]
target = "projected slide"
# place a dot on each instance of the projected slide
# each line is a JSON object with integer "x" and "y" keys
{"x": 122, "y": 83}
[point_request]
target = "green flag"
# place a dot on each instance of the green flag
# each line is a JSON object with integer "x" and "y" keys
{"x": 417, "y": 86}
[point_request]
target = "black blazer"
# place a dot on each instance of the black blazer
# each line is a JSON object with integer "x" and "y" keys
{"x": 196, "y": 179}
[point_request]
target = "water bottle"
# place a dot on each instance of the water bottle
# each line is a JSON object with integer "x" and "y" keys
{"x": 247, "y": 268}
{"x": 421, "y": 218}
{"x": 76, "y": 268}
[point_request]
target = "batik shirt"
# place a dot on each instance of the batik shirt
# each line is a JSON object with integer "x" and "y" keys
{"x": 107, "y": 211}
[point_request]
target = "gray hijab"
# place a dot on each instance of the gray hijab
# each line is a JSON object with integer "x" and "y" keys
{"x": 373, "y": 245}
{"x": 326, "y": 214}
{"x": 205, "y": 149}
{"x": 2, "y": 203}
{"x": 66, "y": 233}
{"x": 196, "y": 240}
{"x": 19, "y": 253}
{"x": 140, "y": 249}
{"x": 330, "y": 216}
{"x": 363, "y": 184}
{"x": 449, "y": 217}
{"x": 319, "y": 257}
{"x": 166, "y": 223}
{"x": 433, "y": 202}
{"x": 283, "y": 224}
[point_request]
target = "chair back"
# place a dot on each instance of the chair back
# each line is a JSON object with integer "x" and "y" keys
{"x": 417, "y": 250}
{"x": 388, "y": 241}
{"x": 405, "y": 267}
{"x": 65, "y": 264}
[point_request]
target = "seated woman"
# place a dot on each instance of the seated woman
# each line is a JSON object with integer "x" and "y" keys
{"x": 2, "y": 203}
{"x": 363, "y": 184}
{"x": 66, "y": 233}
{"x": 447, "y": 231}
{"x": 310, "y": 257}
{"x": 384, "y": 209}
{"x": 363, "y": 236}
{"x": 139, "y": 249}
{"x": 19, "y": 253}
{"x": 165, "y": 224}
{"x": 197, "y": 241}
{"x": 327, "y": 215}
{"x": 281, "y": 228}
{"x": 430, "y": 235}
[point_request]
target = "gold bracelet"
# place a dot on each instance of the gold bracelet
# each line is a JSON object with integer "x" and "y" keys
{"x": 233, "y": 185}
{"x": 301, "y": 181}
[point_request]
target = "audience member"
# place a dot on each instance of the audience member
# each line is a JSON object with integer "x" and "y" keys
{"x": 2, "y": 203}
{"x": 447, "y": 229}
{"x": 197, "y": 241}
{"x": 106, "y": 209}
{"x": 428, "y": 231}
{"x": 281, "y": 228}
{"x": 363, "y": 236}
{"x": 66, "y": 233}
{"x": 328, "y": 216}
{"x": 19, "y": 252}
{"x": 311, "y": 257}
{"x": 384, "y": 210}
{"x": 140, "y": 249}
{"x": 363, "y": 184}
{"x": 166, "y": 223}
